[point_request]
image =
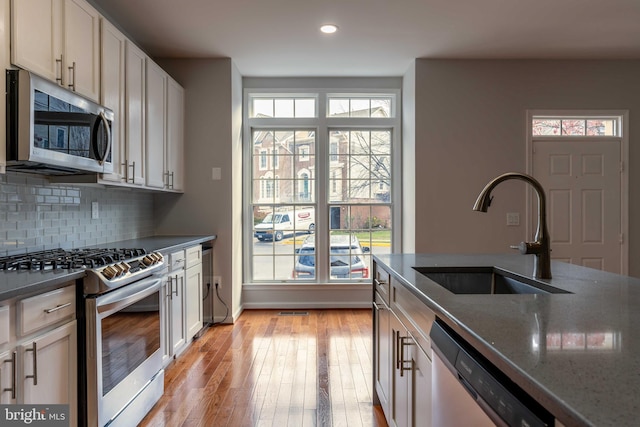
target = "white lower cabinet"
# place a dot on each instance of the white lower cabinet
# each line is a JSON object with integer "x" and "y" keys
{"x": 402, "y": 363}
{"x": 49, "y": 368}
{"x": 39, "y": 361}
{"x": 193, "y": 291}
{"x": 193, "y": 310}
{"x": 420, "y": 391}
{"x": 182, "y": 300}
{"x": 175, "y": 329}
{"x": 382, "y": 349}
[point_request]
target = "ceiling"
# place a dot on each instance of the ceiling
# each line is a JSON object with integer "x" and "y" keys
{"x": 376, "y": 37}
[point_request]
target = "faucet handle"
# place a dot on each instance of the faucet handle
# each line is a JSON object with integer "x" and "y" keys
{"x": 523, "y": 247}
{"x": 528, "y": 248}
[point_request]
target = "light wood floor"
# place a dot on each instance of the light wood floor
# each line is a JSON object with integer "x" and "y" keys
{"x": 274, "y": 370}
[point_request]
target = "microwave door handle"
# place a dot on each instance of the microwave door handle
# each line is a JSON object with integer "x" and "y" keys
{"x": 104, "y": 155}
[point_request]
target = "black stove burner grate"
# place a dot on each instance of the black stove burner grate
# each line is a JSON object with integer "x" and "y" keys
{"x": 55, "y": 259}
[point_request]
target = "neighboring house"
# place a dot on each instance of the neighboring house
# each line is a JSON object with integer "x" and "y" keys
{"x": 360, "y": 169}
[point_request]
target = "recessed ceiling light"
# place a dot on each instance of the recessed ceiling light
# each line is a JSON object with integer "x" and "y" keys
{"x": 329, "y": 28}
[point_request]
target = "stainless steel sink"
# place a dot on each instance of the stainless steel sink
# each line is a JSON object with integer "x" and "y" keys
{"x": 484, "y": 280}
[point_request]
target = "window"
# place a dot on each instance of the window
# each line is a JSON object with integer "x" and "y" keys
{"x": 332, "y": 203}
{"x": 576, "y": 126}
{"x": 303, "y": 151}
{"x": 333, "y": 151}
{"x": 263, "y": 160}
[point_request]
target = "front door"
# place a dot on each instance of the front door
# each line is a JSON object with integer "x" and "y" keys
{"x": 582, "y": 179}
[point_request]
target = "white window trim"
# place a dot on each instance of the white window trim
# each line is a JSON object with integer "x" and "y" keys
{"x": 322, "y": 173}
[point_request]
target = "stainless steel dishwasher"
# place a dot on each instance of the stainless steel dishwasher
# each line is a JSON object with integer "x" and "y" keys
{"x": 467, "y": 390}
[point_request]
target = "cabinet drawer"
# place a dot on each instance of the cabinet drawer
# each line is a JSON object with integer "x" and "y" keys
{"x": 194, "y": 256}
{"x": 176, "y": 260}
{"x": 47, "y": 309}
{"x": 5, "y": 334}
{"x": 381, "y": 282}
{"x": 414, "y": 314}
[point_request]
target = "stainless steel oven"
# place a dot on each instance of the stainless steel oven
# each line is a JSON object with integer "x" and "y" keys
{"x": 123, "y": 317}
{"x": 120, "y": 324}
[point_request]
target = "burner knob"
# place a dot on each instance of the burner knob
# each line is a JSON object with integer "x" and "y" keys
{"x": 152, "y": 258}
{"x": 120, "y": 270}
{"x": 126, "y": 267}
{"x": 109, "y": 272}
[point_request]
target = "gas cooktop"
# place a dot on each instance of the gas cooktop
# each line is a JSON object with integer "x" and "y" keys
{"x": 55, "y": 259}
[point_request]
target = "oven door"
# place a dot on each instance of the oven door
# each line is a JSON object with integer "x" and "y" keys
{"x": 123, "y": 347}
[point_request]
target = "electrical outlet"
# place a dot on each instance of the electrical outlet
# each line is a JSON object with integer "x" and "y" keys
{"x": 217, "y": 281}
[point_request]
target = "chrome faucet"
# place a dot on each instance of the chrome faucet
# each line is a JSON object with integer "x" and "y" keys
{"x": 541, "y": 247}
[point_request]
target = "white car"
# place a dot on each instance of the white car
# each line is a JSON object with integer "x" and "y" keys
{"x": 345, "y": 254}
{"x": 276, "y": 225}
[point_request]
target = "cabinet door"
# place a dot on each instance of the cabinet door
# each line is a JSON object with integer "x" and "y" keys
{"x": 382, "y": 342}
{"x": 135, "y": 112}
{"x": 8, "y": 366}
{"x": 113, "y": 95}
{"x": 193, "y": 297}
{"x": 165, "y": 337}
{"x": 36, "y": 42}
{"x": 175, "y": 135}
{"x": 155, "y": 131}
{"x": 178, "y": 327}
{"x": 401, "y": 374}
{"x": 49, "y": 369}
{"x": 420, "y": 388}
{"x": 82, "y": 48}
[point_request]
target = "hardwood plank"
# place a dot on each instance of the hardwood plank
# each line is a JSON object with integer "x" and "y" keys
{"x": 273, "y": 370}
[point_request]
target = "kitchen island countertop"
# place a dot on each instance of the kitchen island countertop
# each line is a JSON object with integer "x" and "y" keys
{"x": 577, "y": 353}
{"x": 22, "y": 283}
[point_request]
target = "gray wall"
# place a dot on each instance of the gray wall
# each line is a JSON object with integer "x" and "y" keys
{"x": 470, "y": 126}
{"x": 207, "y": 206}
{"x": 37, "y": 216}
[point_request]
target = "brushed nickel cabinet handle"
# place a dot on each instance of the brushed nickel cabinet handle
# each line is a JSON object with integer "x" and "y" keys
{"x": 56, "y": 308}
{"x": 171, "y": 186}
{"x": 397, "y": 352}
{"x": 14, "y": 372}
{"x": 72, "y": 69}
{"x": 59, "y": 79}
{"x": 35, "y": 364}
{"x": 402, "y": 361}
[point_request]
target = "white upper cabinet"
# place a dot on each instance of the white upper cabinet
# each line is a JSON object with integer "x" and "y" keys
{"x": 175, "y": 136}
{"x": 112, "y": 94}
{"x": 135, "y": 114}
{"x": 156, "y": 128}
{"x": 164, "y": 130}
{"x": 59, "y": 40}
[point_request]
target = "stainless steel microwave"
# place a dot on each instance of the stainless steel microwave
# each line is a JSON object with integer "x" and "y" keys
{"x": 53, "y": 131}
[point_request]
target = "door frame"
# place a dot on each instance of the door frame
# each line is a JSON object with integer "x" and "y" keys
{"x": 624, "y": 174}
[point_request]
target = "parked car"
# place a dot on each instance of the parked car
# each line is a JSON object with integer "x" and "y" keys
{"x": 276, "y": 225}
{"x": 345, "y": 254}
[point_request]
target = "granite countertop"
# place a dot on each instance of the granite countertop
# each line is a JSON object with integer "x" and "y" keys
{"x": 21, "y": 283}
{"x": 576, "y": 353}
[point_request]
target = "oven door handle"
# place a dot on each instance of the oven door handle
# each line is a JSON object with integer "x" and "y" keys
{"x": 127, "y": 295}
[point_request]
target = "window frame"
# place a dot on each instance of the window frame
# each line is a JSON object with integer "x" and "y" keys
{"x": 321, "y": 186}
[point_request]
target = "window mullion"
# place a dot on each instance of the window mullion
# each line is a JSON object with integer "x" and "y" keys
{"x": 322, "y": 214}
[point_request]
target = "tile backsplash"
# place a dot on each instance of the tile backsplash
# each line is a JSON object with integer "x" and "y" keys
{"x": 36, "y": 215}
